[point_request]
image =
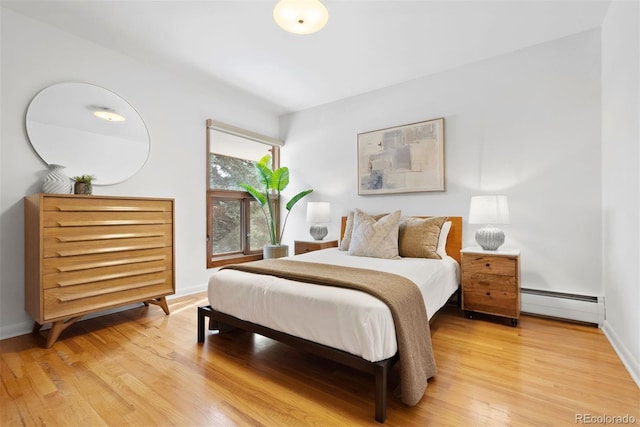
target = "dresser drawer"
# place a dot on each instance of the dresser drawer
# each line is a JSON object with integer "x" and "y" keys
{"x": 97, "y": 204}
{"x": 489, "y": 264}
{"x": 61, "y": 302}
{"x": 72, "y": 241}
{"x": 89, "y": 219}
{"x": 74, "y": 274}
{"x": 72, "y": 264}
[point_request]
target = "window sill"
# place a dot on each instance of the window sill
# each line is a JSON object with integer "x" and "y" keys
{"x": 233, "y": 259}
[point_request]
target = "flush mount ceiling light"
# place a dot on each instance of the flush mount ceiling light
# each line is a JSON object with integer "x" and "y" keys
{"x": 300, "y": 16}
{"x": 109, "y": 115}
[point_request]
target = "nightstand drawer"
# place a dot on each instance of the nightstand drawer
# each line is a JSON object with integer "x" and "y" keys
{"x": 497, "y": 300}
{"x": 481, "y": 280}
{"x": 302, "y": 247}
{"x": 504, "y": 266}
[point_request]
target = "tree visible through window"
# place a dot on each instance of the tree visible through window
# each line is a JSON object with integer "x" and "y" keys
{"x": 236, "y": 227}
{"x": 227, "y": 210}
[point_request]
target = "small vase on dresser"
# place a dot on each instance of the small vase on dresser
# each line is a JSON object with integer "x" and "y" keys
{"x": 56, "y": 181}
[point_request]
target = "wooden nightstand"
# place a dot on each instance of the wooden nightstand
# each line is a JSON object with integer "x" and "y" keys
{"x": 491, "y": 283}
{"x": 302, "y": 247}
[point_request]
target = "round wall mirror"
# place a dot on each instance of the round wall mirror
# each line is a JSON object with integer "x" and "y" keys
{"x": 89, "y": 130}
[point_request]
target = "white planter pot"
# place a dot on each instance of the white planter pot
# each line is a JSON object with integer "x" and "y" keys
{"x": 275, "y": 251}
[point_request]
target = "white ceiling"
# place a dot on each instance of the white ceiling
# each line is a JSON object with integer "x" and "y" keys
{"x": 365, "y": 46}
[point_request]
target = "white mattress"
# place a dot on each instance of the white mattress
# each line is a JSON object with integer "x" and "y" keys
{"x": 345, "y": 319}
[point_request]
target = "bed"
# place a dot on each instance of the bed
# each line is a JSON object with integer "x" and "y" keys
{"x": 272, "y": 306}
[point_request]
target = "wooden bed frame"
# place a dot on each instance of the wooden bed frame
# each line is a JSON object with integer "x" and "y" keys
{"x": 380, "y": 369}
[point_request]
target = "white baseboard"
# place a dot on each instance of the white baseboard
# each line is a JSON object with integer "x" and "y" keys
{"x": 632, "y": 365}
{"x": 23, "y": 328}
{"x": 10, "y": 331}
{"x": 563, "y": 306}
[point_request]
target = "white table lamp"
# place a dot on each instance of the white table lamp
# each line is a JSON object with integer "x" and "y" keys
{"x": 318, "y": 213}
{"x": 489, "y": 210}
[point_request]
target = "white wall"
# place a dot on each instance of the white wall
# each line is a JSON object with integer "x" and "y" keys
{"x": 526, "y": 124}
{"x": 621, "y": 179}
{"x": 34, "y": 56}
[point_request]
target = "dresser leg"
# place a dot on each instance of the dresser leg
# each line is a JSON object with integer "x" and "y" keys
{"x": 57, "y": 328}
{"x": 36, "y": 328}
{"x": 162, "y": 302}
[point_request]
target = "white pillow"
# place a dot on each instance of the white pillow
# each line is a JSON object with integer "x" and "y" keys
{"x": 348, "y": 230}
{"x": 346, "y": 237}
{"x": 442, "y": 239}
{"x": 375, "y": 238}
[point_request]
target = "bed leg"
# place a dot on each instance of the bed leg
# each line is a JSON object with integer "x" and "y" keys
{"x": 202, "y": 313}
{"x": 382, "y": 370}
{"x": 213, "y": 324}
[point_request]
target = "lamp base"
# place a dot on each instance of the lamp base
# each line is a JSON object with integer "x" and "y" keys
{"x": 318, "y": 232}
{"x": 490, "y": 238}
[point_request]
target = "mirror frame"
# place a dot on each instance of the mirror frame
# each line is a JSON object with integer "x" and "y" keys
{"x": 61, "y": 117}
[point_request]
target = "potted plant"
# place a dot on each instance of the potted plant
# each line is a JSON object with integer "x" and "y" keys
{"x": 83, "y": 184}
{"x": 273, "y": 182}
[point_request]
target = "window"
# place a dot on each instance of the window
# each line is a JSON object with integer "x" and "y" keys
{"x": 236, "y": 228}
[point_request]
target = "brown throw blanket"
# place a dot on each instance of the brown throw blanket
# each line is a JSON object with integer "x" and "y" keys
{"x": 403, "y": 297}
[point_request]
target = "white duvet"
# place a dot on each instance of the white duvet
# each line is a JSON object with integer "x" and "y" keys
{"x": 346, "y": 319}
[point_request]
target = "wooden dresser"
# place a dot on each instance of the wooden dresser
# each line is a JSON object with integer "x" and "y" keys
{"x": 85, "y": 254}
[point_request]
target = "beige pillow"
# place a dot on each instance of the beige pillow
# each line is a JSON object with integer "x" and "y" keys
{"x": 348, "y": 230}
{"x": 418, "y": 237}
{"x": 375, "y": 238}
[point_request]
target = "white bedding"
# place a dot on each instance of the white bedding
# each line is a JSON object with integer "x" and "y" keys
{"x": 345, "y": 319}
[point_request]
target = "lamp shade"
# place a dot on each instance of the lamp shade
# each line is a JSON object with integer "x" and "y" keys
{"x": 300, "y": 16}
{"x": 318, "y": 212}
{"x": 489, "y": 210}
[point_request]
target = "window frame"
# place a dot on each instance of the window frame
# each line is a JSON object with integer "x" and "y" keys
{"x": 245, "y": 255}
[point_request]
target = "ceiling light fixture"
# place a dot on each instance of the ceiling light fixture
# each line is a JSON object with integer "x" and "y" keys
{"x": 300, "y": 16}
{"x": 109, "y": 115}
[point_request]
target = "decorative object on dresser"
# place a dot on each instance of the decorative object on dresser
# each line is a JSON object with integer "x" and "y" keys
{"x": 83, "y": 184}
{"x": 273, "y": 183}
{"x": 302, "y": 247}
{"x": 402, "y": 159}
{"x": 85, "y": 254}
{"x": 491, "y": 283}
{"x": 489, "y": 210}
{"x": 318, "y": 213}
{"x": 56, "y": 181}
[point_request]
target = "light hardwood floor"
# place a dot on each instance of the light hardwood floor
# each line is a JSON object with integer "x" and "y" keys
{"x": 140, "y": 367}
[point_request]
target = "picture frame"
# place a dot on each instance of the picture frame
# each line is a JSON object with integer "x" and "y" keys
{"x": 402, "y": 159}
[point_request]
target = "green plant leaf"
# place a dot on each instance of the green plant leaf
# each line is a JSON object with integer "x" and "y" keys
{"x": 296, "y": 198}
{"x": 280, "y": 179}
{"x": 260, "y": 197}
{"x": 273, "y": 182}
{"x": 264, "y": 174}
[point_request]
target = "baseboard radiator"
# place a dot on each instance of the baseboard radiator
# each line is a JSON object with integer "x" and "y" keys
{"x": 580, "y": 308}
